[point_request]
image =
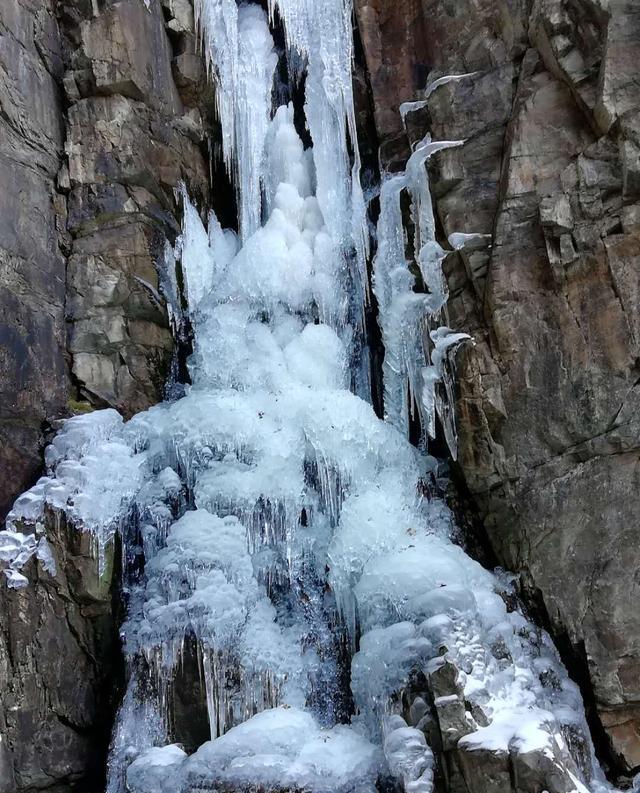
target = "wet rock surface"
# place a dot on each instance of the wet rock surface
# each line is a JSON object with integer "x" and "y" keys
{"x": 547, "y": 407}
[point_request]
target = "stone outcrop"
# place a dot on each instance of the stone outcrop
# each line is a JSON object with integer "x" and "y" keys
{"x": 434, "y": 703}
{"x": 547, "y": 409}
{"x": 100, "y": 120}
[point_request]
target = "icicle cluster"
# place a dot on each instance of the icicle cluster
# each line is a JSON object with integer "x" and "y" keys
{"x": 405, "y": 313}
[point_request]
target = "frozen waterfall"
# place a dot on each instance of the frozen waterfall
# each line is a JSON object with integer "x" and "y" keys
{"x": 270, "y": 520}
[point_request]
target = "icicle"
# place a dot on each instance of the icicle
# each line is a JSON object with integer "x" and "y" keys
{"x": 401, "y": 310}
{"x": 321, "y": 32}
{"x": 429, "y": 253}
{"x": 217, "y": 22}
{"x": 412, "y": 107}
{"x": 197, "y": 261}
{"x": 448, "y": 78}
{"x": 445, "y": 343}
{"x": 257, "y": 62}
{"x": 139, "y": 726}
{"x": 239, "y": 50}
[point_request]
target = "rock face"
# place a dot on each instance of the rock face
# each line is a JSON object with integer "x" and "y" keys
{"x": 60, "y": 671}
{"x": 547, "y": 408}
{"x": 130, "y": 141}
{"x": 100, "y": 120}
{"x": 33, "y": 376}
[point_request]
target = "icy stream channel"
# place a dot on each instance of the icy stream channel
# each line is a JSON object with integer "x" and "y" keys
{"x": 268, "y": 516}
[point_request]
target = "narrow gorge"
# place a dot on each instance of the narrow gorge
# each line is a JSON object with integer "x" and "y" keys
{"x": 320, "y": 375}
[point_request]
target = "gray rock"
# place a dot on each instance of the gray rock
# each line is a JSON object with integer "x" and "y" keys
{"x": 33, "y": 381}
{"x": 59, "y": 670}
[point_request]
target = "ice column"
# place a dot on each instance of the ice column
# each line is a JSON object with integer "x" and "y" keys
{"x": 404, "y": 313}
{"x": 239, "y": 50}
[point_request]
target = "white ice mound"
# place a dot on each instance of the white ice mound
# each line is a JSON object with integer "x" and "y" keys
{"x": 93, "y": 474}
{"x": 155, "y": 769}
{"x": 408, "y": 756}
{"x": 279, "y": 749}
{"x": 202, "y": 584}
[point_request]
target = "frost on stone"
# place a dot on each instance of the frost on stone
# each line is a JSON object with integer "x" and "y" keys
{"x": 412, "y": 107}
{"x": 16, "y": 549}
{"x": 445, "y": 79}
{"x": 458, "y": 240}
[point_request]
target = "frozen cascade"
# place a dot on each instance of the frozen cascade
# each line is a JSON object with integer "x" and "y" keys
{"x": 410, "y": 383}
{"x": 269, "y": 518}
{"x": 240, "y": 55}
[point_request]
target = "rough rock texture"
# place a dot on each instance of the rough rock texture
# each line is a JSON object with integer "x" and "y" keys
{"x": 548, "y": 397}
{"x": 99, "y": 121}
{"x": 435, "y": 704}
{"x": 130, "y": 141}
{"x": 60, "y": 672}
{"x": 33, "y": 381}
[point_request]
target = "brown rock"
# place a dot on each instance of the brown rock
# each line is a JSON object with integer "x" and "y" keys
{"x": 548, "y": 407}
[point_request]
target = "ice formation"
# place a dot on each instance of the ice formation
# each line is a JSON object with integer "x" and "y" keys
{"x": 269, "y": 518}
{"x": 410, "y": 382}
{"x": 278, "y": 749}
{"x": 418, "y": 104}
